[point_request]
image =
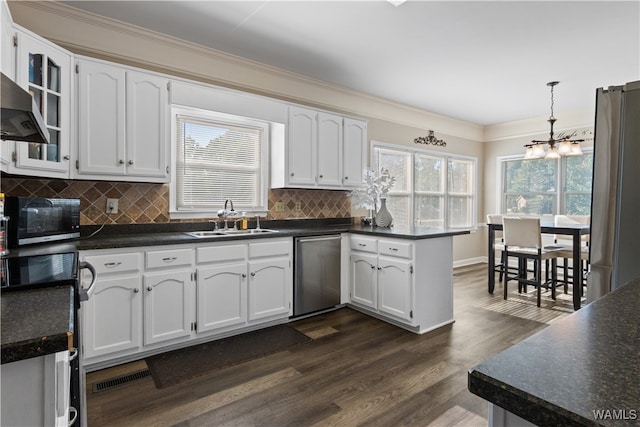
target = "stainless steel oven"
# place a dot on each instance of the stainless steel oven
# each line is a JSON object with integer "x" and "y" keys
{"x": 55, "y": 266}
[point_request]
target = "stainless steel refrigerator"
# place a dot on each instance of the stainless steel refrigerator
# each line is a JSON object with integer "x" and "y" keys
{"x": 615, "y": 205}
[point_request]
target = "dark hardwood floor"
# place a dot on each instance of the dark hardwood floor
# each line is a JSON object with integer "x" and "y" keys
{"x": 356, "y": 371}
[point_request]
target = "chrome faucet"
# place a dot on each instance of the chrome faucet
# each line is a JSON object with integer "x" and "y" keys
{"x": 224, "y": 213}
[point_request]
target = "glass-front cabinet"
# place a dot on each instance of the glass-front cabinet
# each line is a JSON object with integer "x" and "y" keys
{"x": 45, "y": 71}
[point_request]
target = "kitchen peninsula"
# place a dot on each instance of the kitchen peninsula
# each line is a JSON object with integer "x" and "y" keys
{"x": 583, "y": 370}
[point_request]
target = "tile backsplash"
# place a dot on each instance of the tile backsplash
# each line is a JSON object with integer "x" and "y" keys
{"x": 142, "y": 203}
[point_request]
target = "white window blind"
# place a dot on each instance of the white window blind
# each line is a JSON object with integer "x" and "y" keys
{"x": 219, "y": 159}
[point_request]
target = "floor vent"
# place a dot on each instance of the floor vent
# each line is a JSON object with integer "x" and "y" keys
{"x": 121, "y": 380}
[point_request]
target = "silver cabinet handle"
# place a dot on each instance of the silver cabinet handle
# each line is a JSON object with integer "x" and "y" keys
{"x": 346, "y": 177}
{"x": 121, "y": 162}
{"x": 67, "y": 157}
{"x": 244, "y": 275}
{"x": 73, "y": 353}
{"x": 292, "y": 173}
{"x": 393, "y": 249}
{"x": 373, "y": 267}
{"x": 362, "y": 245}
{"x": 253, "y": 274}
{"x": 321, "y": 176}
{"x": 136, "y": 290}
{"x": 130, "y": 162}
{"x": 112, "y": 264}
{"x": 74, "y": 418}
{"x": 149, "y": 288}
{"x": 170, "y": 259}
{"x": 84, "y": 293}
{"x": 379, "y": 268}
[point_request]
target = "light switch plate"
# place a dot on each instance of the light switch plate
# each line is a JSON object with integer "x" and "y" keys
{"x": 279, "y": 206}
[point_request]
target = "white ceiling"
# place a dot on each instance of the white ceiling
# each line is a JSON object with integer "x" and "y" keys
{"x": 485, "y": 62}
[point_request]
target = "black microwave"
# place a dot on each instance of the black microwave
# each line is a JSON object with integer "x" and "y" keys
{"x": 39, "y": 220}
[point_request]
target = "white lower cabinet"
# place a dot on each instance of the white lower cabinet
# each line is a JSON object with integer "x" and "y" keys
{"x": 149, "y": 300}
{"x": 270, "y": 291}
{"x": 406, "y": 282}
{"x": 167, "y": 306}
{"x": 222, "y": 296}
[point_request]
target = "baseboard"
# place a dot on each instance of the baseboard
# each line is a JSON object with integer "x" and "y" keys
{"x": 470, "y": 261}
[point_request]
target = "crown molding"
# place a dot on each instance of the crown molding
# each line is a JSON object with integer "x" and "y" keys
{"x": 567, "y": 120}
{"x": 93, "y": 35}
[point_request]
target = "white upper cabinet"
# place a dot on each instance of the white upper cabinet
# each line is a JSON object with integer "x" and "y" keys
{"x": 329, "y": 150}
{"x": 101, "y": 116}
{"x": 321, "y": 150}
{"x": 122, "y": 123}
{"x": 44, "y": 70}
{"x": 354, "y": 152}
{"x": 302, "y": 141}
{"x": 7, "y": 48}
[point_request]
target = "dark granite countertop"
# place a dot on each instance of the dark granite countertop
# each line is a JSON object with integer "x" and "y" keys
{"x": 586, "y": 362}
{"x": 36, "y": 322}
{"x": 121, "y": 236}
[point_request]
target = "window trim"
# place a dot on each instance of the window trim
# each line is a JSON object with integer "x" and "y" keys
{"x": 446, "y": 157}
{"x": 197, "y": 113}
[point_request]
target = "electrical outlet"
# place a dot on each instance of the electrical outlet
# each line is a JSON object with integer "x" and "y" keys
{"x": 112, "y": 206}
{"x": 279, "y": 206}
{"x": 298, "y": 207}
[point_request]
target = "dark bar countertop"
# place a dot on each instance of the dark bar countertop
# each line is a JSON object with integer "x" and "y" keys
{"x": 582, "y": 370}
{"x": 36, "y": 322}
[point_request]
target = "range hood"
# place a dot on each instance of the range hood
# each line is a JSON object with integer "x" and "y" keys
{"x": 20, "y": 118}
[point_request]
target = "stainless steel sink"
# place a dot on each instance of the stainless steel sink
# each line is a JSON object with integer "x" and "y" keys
{"x": 214, "y": 233}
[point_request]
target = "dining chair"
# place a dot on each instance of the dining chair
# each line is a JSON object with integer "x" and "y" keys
{"x": 564, "y": 245}
{"x": 523, "y": 240}
{"x": 498, "y": 244}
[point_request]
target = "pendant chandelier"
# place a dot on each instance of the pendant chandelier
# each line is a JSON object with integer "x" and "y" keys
{"x": 557, "y": 147}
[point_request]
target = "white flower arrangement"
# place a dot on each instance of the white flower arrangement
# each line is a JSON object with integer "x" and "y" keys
{"x": 376, "y": 187}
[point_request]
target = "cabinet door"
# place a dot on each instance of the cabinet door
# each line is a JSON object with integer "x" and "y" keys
{"x": 301, "y": 147}
{"x": 270, "y": 288}
{"x": 394, "y": 287}
{"x": 44, "y": 70}
{"x": 329, "y": 150}
{"x": 354, "y": 152}
{"x": 167, "y": 302}
{"x": 222, "y": 296}
{"x": 146, "y": 124}
{"x": 363, "y": 280}
{"x": 7, "y": 49}
{"x": 101, "y": 119}
{"x": 112, "y": 316}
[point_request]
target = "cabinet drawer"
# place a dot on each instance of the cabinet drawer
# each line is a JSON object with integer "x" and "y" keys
{"x": 269, "y": 248}
{"x": 394, "y": 248}
{"x": 221, "y": 253}
{"x": 170, "y": 258}
{"x": 115, "y": 263}
{"x": 363, "y": 244}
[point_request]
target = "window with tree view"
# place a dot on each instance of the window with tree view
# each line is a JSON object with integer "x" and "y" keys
{"x": 219, "y": 157}
{"x": 547, "y": 186}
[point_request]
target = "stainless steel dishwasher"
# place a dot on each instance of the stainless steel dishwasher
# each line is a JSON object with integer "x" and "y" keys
{"x": 316, "y": 274}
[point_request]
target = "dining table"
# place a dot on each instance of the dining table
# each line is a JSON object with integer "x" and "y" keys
{"x": 576, "y": 231}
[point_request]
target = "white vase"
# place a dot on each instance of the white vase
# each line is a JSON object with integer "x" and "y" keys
{"x": 383, "y": 217}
